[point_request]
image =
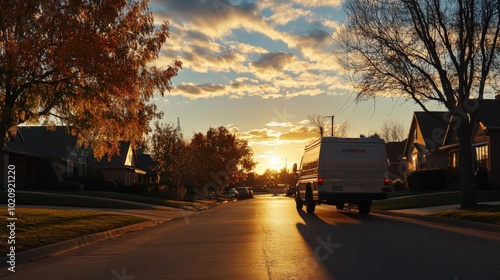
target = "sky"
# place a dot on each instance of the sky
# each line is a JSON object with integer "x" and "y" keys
{"x": 260, "y": 68}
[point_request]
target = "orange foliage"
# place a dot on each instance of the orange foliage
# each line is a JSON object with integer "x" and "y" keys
{"x": 85, "y": 63}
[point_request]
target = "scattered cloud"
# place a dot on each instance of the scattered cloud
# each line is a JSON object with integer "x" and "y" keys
{"x": 280, "y": 124}
{"x": 211, "y": 37}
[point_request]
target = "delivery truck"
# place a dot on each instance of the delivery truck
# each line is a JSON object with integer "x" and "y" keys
{"x": 337, "y": 171}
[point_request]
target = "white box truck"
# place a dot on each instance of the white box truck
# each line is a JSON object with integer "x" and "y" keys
{"x": 342, "y": 170}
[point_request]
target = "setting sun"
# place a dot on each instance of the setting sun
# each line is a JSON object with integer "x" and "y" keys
{"x": 275, "y": 160}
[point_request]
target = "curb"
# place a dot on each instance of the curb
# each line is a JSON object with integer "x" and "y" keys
{"x": 443, "y": 221}
{"x": 53, "y": 249}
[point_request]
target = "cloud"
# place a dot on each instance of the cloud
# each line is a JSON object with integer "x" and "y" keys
{"x": 279, "y": 124}
{"x": 273, "y": 62}
{"x": 259, "y": 135}
{"x": 209, "y": 38}
{"x": 195, "y": 91}
{"x": 299, "y": 133}
{"x": 319, "y": 3}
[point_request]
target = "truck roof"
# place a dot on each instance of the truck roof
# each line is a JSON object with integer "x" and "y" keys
{"x": 363, "y": 140}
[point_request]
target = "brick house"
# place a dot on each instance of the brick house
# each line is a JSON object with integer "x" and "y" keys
{"x": 486, "y": 142}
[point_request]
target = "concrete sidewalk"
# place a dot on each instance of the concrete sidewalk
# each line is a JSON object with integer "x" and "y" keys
{"x": 436, "y": 209}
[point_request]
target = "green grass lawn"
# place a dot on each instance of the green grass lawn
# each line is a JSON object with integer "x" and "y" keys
{"x": 487, "y": 214}
{"x": 406, "y": 200}
{"x": 95, "y": 200}
{"x": 39, "y": 227}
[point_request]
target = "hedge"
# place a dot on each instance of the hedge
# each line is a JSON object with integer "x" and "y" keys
{"x": 426, "y": 180}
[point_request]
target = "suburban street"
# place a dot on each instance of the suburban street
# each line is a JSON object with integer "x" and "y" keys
{"x": 267, "y": 238}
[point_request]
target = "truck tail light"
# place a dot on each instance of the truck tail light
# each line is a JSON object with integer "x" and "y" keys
{"x": 386, "y": 187}
{"x": 320, "y": 181}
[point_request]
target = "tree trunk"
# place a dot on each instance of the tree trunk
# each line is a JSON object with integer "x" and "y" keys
{"x": 5, "y": 123}
{"x": 3, "y": 133}
{"x": 467, "y": 183}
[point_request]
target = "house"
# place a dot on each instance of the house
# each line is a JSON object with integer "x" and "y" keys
{"x": 398, "y": 166}
{"x": 146, "y": 163}
{"x": 45, "y": 157}
{"x": 123, "y": 168}
{"x": 425, "y": 138}
{"x": 25, "y": 160}
{"x": 485, "y": 142}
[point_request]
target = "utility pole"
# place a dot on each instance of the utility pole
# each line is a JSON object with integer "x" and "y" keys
{"x": 332, "y": 116}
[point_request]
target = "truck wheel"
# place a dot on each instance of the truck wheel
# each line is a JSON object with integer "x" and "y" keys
{"x": 310, "y": 203}
{"x": 299, "y": 203}
{"x": 340, "y": 206}
{"x": 364, "y": 207}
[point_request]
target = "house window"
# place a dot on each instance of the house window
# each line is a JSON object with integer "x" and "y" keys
{"x": 481, "y": 157}
{"x": 454, "y": 159}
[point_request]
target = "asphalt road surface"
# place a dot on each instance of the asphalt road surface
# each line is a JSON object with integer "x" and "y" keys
{"x": 267, "y": 238}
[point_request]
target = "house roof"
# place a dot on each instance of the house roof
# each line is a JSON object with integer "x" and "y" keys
{"x": 47, "y": 143}
{"x": 20, "y": 148}
{"x": 395, "y": 150}
{"x": 433, "y": 127}
{"x": 146, "y": 163}
{"x": 116, "y": 161}
{"x": 488, "y": 113}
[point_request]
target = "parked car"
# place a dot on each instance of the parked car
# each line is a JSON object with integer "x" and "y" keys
{"x": 244, "y": 192}
{"x": 278, "y": 189}
{"x": 290, "y": 191}
{"x": 232, "y": 192}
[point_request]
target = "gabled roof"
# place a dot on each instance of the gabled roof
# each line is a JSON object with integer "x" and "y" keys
{"x": 146, "y": 163}
{"x": 116, "y": 161}
{"x": 48, "y": 143}
{"x": 395, "y": 150}
{"x": 489, "y": 113}
{"x": 20, "y": 148}
{"x": 432, "y": 124}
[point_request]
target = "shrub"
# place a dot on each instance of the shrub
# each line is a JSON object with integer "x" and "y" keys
{"x": 399, "y": 185}
{"x": 145, "y": 189}
{"x": 110, "y": 186}
{"x": 426, "y": 180}
{"x": 72, "y": 186}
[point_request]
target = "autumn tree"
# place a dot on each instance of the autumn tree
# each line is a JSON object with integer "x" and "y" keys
{"x": 220, "y": 157}
{"x": 435, "y": 50}
{"x": 85, "y": 64}
{"x": 172, "y": 156}
{"x": 270, "y": 177}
